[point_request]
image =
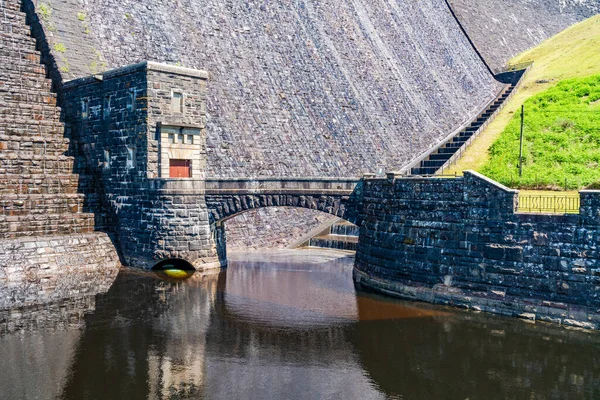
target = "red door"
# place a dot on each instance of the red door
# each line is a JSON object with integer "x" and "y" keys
{"x": 180, "y": 168}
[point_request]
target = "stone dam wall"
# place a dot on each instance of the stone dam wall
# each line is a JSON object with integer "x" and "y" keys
{"x": 504, "y": 29}
{"x": 460, "y": 242}
{"x": 295, "y": 89}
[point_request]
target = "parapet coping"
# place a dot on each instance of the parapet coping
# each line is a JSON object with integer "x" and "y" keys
{"x": 490, "y": 181}
{"x": 142, "y": 66}
{"x": 400, "y": 175}
{"x": 285, "y": 178}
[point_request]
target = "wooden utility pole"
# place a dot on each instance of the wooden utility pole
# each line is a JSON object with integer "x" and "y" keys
{"x": 521, "y": 141}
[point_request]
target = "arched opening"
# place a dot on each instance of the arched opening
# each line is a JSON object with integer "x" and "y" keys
{"x": 173, "y": 264}
{"x": 174, "y": 269}
{"x": 271, "y": 227}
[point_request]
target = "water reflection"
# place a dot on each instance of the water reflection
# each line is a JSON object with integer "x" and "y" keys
{"x": 291, "y": 327}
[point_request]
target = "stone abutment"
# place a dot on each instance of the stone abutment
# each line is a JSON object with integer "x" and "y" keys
{"x": 460, "y": 242}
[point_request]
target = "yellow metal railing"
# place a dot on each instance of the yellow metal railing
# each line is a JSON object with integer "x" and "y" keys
{"x": 549, "y": 203}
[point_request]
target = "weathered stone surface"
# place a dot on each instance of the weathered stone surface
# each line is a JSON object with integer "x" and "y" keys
{"x": 116, "y": 125}
{"x": 503, "y": 29}
{"x": 460, "y": 242}
{"x": 35, "y": 270}
{"x": 47, "y": 245}
{"x": 37, "y": 188}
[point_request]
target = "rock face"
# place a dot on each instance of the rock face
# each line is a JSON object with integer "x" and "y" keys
{"x": 45, "y": 237}
{"x": 305, "y": 88}
{"x": 503, "y": 29}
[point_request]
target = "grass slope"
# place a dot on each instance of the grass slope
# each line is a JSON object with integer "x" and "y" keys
{"x": 562, "y": 139}
{"x": 573, "y": 53}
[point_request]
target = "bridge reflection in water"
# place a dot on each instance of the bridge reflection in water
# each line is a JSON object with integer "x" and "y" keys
{"x": 288, "y": 326}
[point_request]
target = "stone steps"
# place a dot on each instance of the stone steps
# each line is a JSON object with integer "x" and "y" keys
{"x": 18, "y": 66}
{"x": 22, "y": 95}
{"x": 38, "y": 112}
{"x": 38, "y": 184}
{"x": 8, "y": 26}
{"x": 40, "y": 204}
{"x": 342, "y": 235}
{"x": 14, "y": 5}
{"x": 23, "y": 80}
{"x": 19, "y": 40}
{"x": 438, "y": 159}
{"x": 8, "y": 50}
{"x": 25, "y": 136}
{"x": 31, "y": 128}
{"x": 38, "y": 165}
{"x": 11, "y": 7}
{"x": 17, "y": 110}
{"x": 38, "y": 146}
{"x": 47, "y": 224}
{"x": 339, "y": 242}
{"x": 38, "y": 190}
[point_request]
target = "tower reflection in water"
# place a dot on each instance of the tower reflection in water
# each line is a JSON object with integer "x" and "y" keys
{"x": 289, "y": 328}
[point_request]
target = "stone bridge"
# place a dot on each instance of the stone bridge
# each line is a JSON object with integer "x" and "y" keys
{"x": 226, "y": 198}
{"x": 183, "y": 218}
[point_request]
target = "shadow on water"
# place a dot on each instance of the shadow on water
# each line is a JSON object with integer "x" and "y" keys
{"x": 281, "y": 327}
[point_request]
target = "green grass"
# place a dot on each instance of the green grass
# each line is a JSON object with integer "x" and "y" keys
{"x": 573, "y": 53}
{"x": 562, "y": 139}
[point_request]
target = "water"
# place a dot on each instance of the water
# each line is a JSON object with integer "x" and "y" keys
{"x": 288, "y": 326}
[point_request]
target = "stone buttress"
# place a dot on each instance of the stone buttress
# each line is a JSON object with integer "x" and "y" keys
{"x": 44, "y": 233}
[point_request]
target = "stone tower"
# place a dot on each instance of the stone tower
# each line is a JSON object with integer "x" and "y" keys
{"x": 141, "y": 130}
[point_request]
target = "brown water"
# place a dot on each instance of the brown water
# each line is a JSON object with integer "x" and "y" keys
{"x": 283, "y": 326}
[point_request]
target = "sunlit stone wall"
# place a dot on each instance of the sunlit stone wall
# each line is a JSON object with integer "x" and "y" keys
{"x": 37, "y": 270}
{"x": 328, "y": 88}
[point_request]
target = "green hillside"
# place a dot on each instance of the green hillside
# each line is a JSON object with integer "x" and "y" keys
{"x": 573, "y": 53}
{"x": 562, "y": 139}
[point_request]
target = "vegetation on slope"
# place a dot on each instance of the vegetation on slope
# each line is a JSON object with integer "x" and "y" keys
{"x": 562, "y": 139}
{"x": 573, "y": 53}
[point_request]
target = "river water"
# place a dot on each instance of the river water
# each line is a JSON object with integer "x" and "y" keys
{"x": 286, "y": 325}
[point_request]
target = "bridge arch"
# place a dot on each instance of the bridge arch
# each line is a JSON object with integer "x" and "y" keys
{"x": 223, "y": 209}
{"x": 226, "y": 199}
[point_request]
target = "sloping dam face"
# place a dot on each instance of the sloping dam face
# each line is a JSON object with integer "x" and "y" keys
{"x": 296, "y": 88}
{"x": 501, "y": 29}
